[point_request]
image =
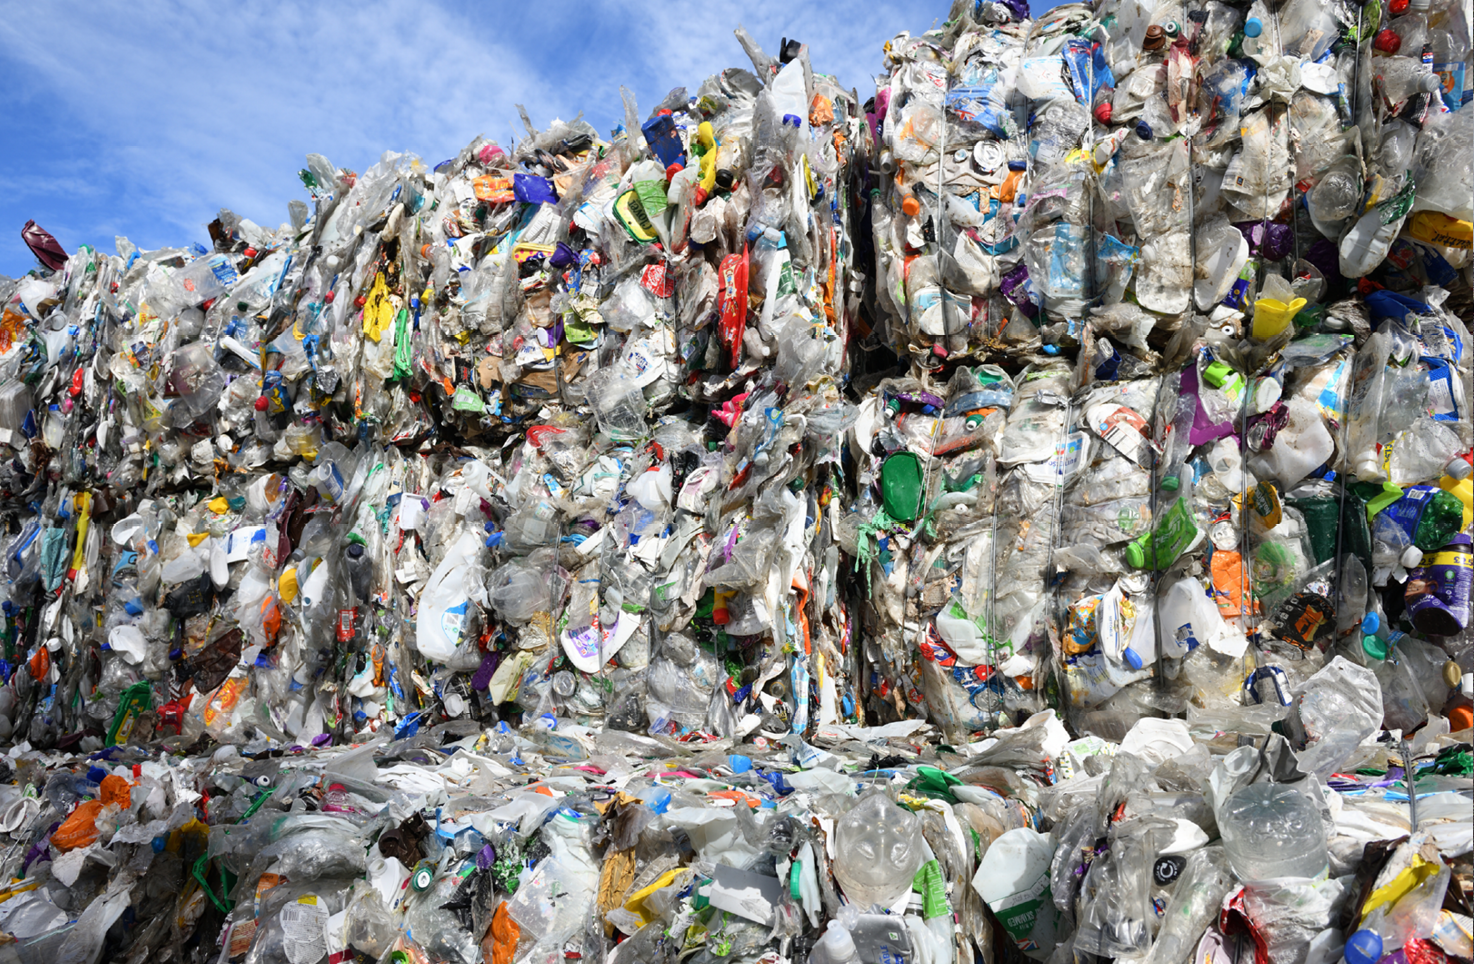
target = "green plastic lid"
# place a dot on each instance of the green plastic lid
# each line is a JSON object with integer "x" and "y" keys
{"x": 900, "y": 486}
{"x": 1171, "y": 483}
{"x": 1217, "y": 373}
{"x": 1374, "y": 646}
{"x": 1136, "y": 555}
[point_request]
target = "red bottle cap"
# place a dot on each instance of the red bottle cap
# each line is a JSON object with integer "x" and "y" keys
{"x": 1388, "y": 41}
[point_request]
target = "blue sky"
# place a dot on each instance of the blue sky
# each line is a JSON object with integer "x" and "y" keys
{"x": 144, "y": 118}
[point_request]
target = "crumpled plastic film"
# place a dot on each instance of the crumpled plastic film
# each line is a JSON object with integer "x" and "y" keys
{"x": 1022, "y": 513}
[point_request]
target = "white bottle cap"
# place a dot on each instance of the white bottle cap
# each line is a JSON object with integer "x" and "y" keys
{"x": 839, "y": 943}
{"x": 1412, "y": 556}
{"x": 1458, "y": 468}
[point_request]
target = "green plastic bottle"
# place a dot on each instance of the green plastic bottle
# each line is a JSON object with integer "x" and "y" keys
{"x": 1159, "y": 548}
{"x": 1440, "y": 522}
{"x": 1426, "y": 515}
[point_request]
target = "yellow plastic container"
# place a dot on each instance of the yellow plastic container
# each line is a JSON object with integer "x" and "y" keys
{"x": 1463, "y": 490}
{"x": 1272, "y": 317}
{"x": 1440, "y": 229}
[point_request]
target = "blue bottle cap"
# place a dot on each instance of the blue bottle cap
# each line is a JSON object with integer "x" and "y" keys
{"x": 1252, "y": 27}
{"x": 1133, "y": 658}
{"x": 1144, "y": 130}
{"x": 792, "y": 120}
{"x": 1371, "y": 623}
{"x": 1363, "y": 947}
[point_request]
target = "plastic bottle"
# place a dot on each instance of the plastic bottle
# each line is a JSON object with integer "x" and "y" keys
{"x": 1013, "y": 879}
{"x": 1421, "y": 452}
{"x": 877, "y": 850}
{"x": 1172, "y": 536}
{"x": 1438, "y": 591}
{"x": 837, "y": 946}
{"x": 1196, "y": 899}
{"x": 338, "y": 800}
{"x": 1272, "y": 830}
{"x": 1425, "y": 517}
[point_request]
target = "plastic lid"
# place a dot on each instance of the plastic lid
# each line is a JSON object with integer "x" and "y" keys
{"x": 1252, "y": 27}
{"x": 336, "y": 786}
{"x": 1388, "y": 42}
{"x": 839, "y": 942}
{"x": 1374, "y": 646}
{"x": 1363, "y": 947}
{"x": 1371, "y": 623}
{"x": 1136, "y": 555}
{"x": 1144, "y": 130}
{"x": 1171, "y": 483}
{"x": 1132, "y": 657}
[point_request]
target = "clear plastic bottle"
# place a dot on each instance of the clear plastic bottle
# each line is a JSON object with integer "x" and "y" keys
{"x": 1273, "y": 830}
{"x": 1195, "y": 901}
{"x": 338, "y": 800}
{"x": 878, "y": 849}
{"x": 837, "y": 946}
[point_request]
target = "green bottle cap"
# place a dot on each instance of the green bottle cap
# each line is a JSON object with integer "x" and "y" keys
{"x": 1136, "y": 555}
{"x": 1171, "y": 483}
{"x": 1217, "y": 373}
{"x": 1374, "y": 646}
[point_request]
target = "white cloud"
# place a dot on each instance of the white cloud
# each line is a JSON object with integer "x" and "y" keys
{"x": 144, "y": 119}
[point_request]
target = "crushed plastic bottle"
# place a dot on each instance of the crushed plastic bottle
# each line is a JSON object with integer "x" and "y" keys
{"x": 1025, "y": 504}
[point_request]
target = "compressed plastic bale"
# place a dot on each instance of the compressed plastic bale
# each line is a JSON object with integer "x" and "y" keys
{"x": 1015, "y": 393}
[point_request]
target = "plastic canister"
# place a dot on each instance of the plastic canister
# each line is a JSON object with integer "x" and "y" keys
{"x": 1013, "y": 879}
{"x": 1438, "y": 592}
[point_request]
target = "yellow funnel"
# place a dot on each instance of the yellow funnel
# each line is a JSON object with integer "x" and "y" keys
{"x": 1272, "y": 317}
